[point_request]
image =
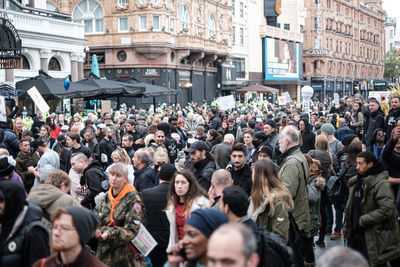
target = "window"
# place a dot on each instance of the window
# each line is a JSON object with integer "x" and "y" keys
{"x": 286, "y": 26}
{"x": 122, "y": 24}
{"x": 317, "y": 43}
{"x": 233, "y": 7}
{"x": 27, "y": 66}
{"x": 301, "y": 28}
{"x": 240, "y": 66}
{"x": 123, "y": 3}
{"x": 327, "y": 43}
{"x": 337, "y": 45}
{"x": 156, "y": 1}
{"x": 211, "y": 27}
{"x": 315, "y": 66}
{"x": 241, "y": 36}
{"x": 142, "y": 23}
{"x": 90, "y": 13}
{"x": 54, "y": 64}
{"x": 171, "y": 22}
{"x": 156, "y": 23}
{"x": 142, "y": 1}
{"x": 391, "y": 33}
{"x": 52, "y": 7}
{"x": 233, "y": 34}
{"x": 166, "y": 23}
{"x": 241, "y": 9}
{"x": 316, "y": 24}
{"x": 183, "y": 18}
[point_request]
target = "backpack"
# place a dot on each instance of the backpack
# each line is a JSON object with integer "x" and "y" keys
{"x": 311, "y": 192}
{"x": 274, "y": 251}
{"x": 104, "y": 182}
{"x": 337, "y": 190}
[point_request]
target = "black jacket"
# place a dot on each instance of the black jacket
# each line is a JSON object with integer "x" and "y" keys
{"x": 308, "y": 141}
{"x": 203, "y": 171}
{"x": 155, "y": 202}
{"x": 242, "y": 178}
{"x": 94, "y": 148}
{"x": 107, "y": 147}
{"x": 145, "y": 178}
{"x": 91, "y": 178}
{"x": 376, "y": 120}
{"x": 342, "y": 131}
{"x": 68, "y": 154}
{"x": 215, "y": 122}
{"x": 390, "y": 122}
{"x": 130, "y": 151}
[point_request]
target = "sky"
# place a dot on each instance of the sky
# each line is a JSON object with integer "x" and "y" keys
{"x": 392, "y": 8}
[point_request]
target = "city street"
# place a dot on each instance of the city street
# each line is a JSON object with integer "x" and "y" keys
{"x": 329, "y": 244}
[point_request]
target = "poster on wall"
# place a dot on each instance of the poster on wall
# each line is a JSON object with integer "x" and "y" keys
{"x": 282, "y": 60}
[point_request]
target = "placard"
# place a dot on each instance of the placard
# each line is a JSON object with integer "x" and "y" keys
{"x": 144, "y": 241}
{"x": 3, "y": 114}
{"x": 282, "y": 100}
{"x": 336, "y": 99}
{"x": 226, "y": 102}
{"x": 38, "y": 100}
{"x": 106, "y": 106}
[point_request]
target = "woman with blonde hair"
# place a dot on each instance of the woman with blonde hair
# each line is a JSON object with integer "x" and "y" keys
{"x": 121, "y": 156}
{"x": 184, "y": 196}
{"x": 270, "y": 200}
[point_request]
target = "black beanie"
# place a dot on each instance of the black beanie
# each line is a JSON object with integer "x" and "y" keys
{"x": 271, "y": 123}
{"x": 166, "y": 172}
{"x": 84, "y": 220}
{"x": 5, "y": 167}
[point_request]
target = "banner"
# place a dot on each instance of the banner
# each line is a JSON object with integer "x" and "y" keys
{"x": 144, "y": 241}
{"x": 38, "y": 100}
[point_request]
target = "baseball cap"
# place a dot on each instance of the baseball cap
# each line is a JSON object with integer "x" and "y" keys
{"x": 65, "y": 128}
{"x": 198, "y": 145}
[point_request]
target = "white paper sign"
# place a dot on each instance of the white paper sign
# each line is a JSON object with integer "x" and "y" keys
{"x": 287, "y": 95}
{"x": 226, "y": 102}
{"x": 38, "y": 100}
{"x": 336, "y": 99}
{"x": 3, "y": 114}
{"x": 282, "y": 100}
{"x": 143, "y": 241}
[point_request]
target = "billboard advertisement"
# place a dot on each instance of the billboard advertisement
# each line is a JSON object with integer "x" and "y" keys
{"x": 282, "y": 59}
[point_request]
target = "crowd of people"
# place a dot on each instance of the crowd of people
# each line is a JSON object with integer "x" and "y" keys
{"x": 213, "y": 187}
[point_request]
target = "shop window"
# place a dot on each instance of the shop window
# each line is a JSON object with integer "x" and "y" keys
{"x": 54, "y": 64}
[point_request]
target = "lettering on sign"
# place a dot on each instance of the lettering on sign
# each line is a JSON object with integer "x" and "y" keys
{"x": 151, "y": 72}
{"x": 317, "y": 52}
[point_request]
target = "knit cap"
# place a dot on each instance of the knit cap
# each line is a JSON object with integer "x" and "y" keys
{"x": 84, "y": 220}
{"x": 206, "y": 220}
{"x": 328, "y": 128}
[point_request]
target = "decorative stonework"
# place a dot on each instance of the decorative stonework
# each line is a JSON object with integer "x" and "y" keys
{"x": 45, "y": 53}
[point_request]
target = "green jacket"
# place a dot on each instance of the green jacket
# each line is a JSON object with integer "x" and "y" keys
{"x": 277, "y": 223}
{"x": 21, "y": 167}
{"x": 128, "y": 215}
{"x": 378, "y": 218}
{"x": 292, "y": 175}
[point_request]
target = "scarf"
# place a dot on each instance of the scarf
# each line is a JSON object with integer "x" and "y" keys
{"x": 114, "y": 201}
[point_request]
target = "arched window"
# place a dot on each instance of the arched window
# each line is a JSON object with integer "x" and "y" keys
{"x": 25, "y": 63}
{"x": 54, "y": 64}
{"x": 90, "y": 13}
{"x": 211, "y": 27}
{"x": 52, "y": 7}
{"x": 183, "y": 18}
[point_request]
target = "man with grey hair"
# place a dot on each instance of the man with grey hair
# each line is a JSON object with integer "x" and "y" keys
{"x": 219, "y": 180}
{"x": 343, "y": 257}
{"x": 190, "y": 124}
{"x": 222, "y": 152}
{"x": 294, "y": 173}
{"x": 232, "y": 244}
{"x": 145, "y": 177}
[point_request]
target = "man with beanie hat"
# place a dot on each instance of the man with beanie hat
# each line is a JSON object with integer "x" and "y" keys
{"x": 197, "y": 230}
{"x": 335, "y": 146}
{"x": 259, "y": 139}
{"x": 72, "y": 228}
{"x": 155, "y": 201}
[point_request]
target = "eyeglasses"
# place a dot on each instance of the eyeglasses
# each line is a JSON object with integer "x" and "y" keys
{"x": 62, "y": 228}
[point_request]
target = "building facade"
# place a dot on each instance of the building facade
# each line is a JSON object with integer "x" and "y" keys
{"x": 50, "y": 41}
{"x": 390, "y": 32}
{"x": 344, "y": 46}
{"x": 172, "y": 43}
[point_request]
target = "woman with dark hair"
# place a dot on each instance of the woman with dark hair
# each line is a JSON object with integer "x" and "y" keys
{"x": 184, "y": 196}
{"x": 357, "y": 121}
{"x": 270, "y": 200}
{"x": 54, "y": 128}
{"x": 45, "y": 135}
{"x": 214, "y": 137}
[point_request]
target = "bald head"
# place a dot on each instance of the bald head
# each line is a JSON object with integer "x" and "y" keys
{"x": 343, "y": 257}
{"x": 342, "y": 121}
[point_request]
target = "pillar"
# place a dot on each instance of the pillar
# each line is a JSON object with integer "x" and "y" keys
{"x": 80, "y": 66}
{"x": 74, "y": 67}
{"x": 9, "y": 75}
{"x": 44, "y": 59}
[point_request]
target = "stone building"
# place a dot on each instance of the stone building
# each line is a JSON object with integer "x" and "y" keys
{"x": 343, "y": 46}
{"x": 173, "y": 43}
{"x": 390, "y": 32}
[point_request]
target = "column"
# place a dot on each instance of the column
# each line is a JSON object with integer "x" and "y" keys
{"x": 74, "y": 67}
{"x": 44, "y": 59}
{"x": 80, "y": 66}
{"x": 9, "y": 75}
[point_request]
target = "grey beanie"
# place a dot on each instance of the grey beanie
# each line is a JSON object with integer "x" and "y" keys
{"x": 328, "y": 128}
{"x": 84, "y": 220}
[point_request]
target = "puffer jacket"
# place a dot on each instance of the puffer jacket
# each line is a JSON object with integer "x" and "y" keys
{"x": 377, "y": 218}
{"x": 292, "y": 175}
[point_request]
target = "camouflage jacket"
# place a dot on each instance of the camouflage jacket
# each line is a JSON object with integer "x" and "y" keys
{"x": 128, "y": 215}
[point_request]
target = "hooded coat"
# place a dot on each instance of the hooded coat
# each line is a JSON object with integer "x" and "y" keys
{"x": 23, "y": 238}
{"x": 21, "y": 167}
{"x": 308, "y": 138}
{"x": 377, "y": 219}
{"x": 169, "y": 142}
{"x": 375, "y": 120}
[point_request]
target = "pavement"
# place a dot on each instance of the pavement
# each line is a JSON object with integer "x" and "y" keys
{"x": 318, "y": 251}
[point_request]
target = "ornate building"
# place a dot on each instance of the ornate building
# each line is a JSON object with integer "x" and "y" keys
{"x": 390, "y": 32}
{"x": 343, "y": 46}
{"x": 172, "y": 43}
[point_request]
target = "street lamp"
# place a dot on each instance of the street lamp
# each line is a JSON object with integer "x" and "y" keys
{"x": 306, "y": 93}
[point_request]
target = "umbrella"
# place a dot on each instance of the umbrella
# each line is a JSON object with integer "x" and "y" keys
{"x": 258, "y": 88}
{"x": 152, "y": 90}
{"x": 48, "y": 87}
{"x": 95, "y": 66}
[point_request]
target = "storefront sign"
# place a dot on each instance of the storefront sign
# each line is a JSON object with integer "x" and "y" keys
{"x": 317, "y": 52}
{"x": 151, "y": 73}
